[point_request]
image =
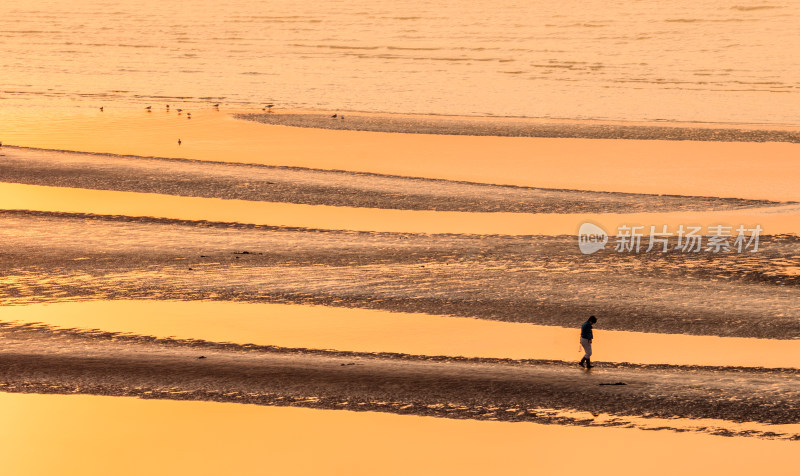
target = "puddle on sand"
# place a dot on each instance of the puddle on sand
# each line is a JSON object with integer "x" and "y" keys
{"x": 87, "y": 435}
{"x": 773, "y": 220}
{"x": 367, "y": 330}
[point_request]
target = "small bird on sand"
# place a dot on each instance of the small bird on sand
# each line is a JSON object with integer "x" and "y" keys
{"x": 333, "y": 116}
{"x": 216, "y": 105}
{"x": 167, "y": 107}
{"x": 179, "y": 110}
{"x": 268, "y": 106}
{"x": 341, "y": 117}
{"x": 101, "y": 108}
{"x": 149, "y": 108}
{"x": 179, "y": 142}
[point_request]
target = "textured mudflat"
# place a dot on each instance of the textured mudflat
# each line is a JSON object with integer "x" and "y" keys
{"x": 43, "y": 360}
{"x": 46, "y": 257}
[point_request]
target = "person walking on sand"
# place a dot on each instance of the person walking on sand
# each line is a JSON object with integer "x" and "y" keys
{"x": 586, "y": 342}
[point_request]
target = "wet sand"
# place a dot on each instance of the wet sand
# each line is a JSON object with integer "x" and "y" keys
{"x": 359, "y": 221}
{"x": 42, "y": 360}
{"x": 509, "y": 127}
{"x": 47, "y": 257}
{"x": 256, "y": 182}
{"x": 178, "y": 437}
{"x": 760, "y": 171}
{"x": 773, "y": 219}
{"x": 375, "y": 331}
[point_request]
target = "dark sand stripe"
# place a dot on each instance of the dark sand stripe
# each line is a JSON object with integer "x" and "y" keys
{"x": 520, "y": 128}
{"x": 196, "y": 178}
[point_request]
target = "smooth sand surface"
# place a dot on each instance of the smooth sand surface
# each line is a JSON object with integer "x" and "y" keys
{"x": 46, "y": 434}
{"x": 369, "y": 330}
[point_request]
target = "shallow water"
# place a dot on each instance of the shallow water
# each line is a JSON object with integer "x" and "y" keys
{"x": 772, "y": 220}
{"x": 688, "y": 60}
{"x": 89, "y": 434}
{"x": 368, "y": 330}
{"x": 621, "y": 61}
{"x": 763, "y": 171}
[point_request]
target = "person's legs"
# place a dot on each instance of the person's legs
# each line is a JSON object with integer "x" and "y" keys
{"x": 587, "y": 347}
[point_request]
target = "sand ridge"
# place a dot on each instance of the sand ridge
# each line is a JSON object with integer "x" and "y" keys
{"x": 507, "y": 127}
{"x": 258, "y": 182}
{"x": 44, "y": 360}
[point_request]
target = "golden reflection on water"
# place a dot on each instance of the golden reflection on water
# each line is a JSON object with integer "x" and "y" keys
{"x": 785, "y": 219}
{"x": 743, "y": 170}
{"x": 91, "y": 435}
{"x": 367, "y": 330}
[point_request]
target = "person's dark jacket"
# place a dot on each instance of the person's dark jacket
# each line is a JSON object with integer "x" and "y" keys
{"x": 586, "y": 331}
